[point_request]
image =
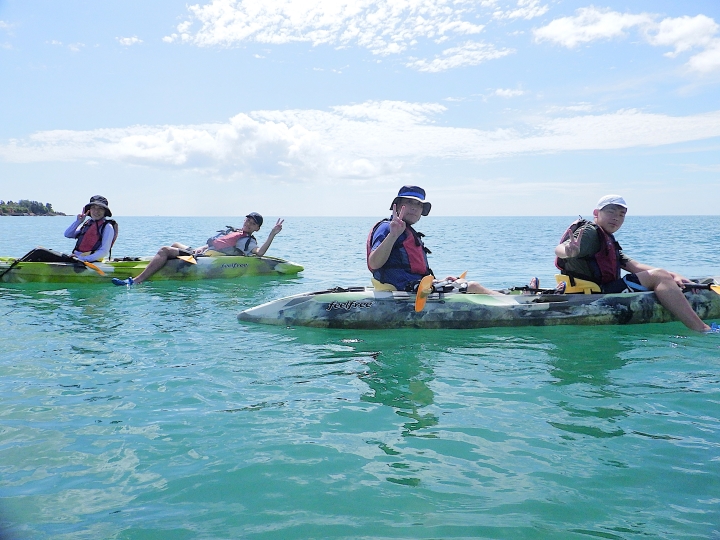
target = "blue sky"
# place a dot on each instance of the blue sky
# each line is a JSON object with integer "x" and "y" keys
{"x": 518, "y": 107}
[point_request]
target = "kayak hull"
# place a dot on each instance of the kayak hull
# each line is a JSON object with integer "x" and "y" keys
{"x": 228, "y": 267}
{"x": 366, "y": 308}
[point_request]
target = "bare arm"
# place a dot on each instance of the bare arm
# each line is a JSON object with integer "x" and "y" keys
{"x": 275, "y": 230}
{"x": 382, "y": 253}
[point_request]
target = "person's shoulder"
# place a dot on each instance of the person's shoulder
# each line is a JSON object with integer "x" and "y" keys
{"x": 589, "y": 228}
{"x": 381, "y": 226}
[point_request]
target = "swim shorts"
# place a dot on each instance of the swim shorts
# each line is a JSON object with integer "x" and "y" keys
{"x": 627, "y": 283}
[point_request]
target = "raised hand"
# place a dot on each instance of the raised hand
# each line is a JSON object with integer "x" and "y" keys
{"x": 397, "y": 225}
{"x": 278, "y": 226}
{"x": 572, "y": 246}
{"x": 83, "y": 214}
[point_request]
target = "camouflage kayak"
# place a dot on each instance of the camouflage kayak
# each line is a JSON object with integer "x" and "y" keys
{"x": 227, "y": 267}
{"x": 364, "y": 307}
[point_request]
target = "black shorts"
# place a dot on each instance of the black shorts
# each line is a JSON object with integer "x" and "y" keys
{"x": 628, "y": 283}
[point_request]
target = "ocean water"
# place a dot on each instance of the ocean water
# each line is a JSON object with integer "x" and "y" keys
{"x": 152, "y": 412}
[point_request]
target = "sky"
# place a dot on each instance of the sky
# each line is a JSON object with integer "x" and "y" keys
{"x": 327, "y": 107}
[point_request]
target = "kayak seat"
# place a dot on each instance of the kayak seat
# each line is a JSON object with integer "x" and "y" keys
{"x": 581, "y": 286}
{"x": 379, "y": 286}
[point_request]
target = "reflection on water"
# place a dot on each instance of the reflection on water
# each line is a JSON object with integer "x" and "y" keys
{"x": 401, "y": 381}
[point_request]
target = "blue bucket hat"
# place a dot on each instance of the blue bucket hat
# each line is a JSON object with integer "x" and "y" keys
{"x": 416, "y": 193}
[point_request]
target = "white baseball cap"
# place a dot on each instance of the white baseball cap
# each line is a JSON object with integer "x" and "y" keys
{"x": 611, "y": 199}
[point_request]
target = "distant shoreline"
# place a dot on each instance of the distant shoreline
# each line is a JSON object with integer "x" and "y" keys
{"x": 24, "y": 207}
{"x": 33, "y": 215}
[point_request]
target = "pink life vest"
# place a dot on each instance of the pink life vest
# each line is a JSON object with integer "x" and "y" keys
{"x": 228, "y": 240}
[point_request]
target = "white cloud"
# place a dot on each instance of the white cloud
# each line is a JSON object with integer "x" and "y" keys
{"x": 76, "y": 47}
{"x": 526, "y": 9}
{"x": 382, "y": 26}
{"x": 470, "y": 53}
{"x": 4, "y": 25}
{"x": 128, "y": 41}
{"x": 366, "y": 140}
{"x": 508, "y": 92}
{"x": 708, "y": 60}
{"x": 683, "y": 34}
{"x": 589, "y": 24}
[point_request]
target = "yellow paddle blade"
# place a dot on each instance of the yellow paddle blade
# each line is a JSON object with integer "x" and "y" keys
{"x": 92, "y": 266}
{"x": 462, "y": 276}
{"x": 715, "y": 288}
{"x": 188, "y": 259}
{"x": 423, "y": 291}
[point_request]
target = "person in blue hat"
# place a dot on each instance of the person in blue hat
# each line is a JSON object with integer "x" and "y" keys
{"x": 230, "y": 242}
{"x": 396, "y": 255}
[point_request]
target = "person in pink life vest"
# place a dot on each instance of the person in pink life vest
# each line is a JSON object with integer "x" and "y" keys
{"x": 396, "y": 255}
{"x": 231, "y": 242}
{"x": 590, "y": 252}
{"x": 95, "y": 236}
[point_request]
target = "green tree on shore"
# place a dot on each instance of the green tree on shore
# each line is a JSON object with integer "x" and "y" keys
{"x": 25, "y": 207}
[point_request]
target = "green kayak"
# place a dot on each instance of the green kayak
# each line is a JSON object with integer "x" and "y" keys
{"x": 364, "y": 307}
{"x": 227, "y": 267}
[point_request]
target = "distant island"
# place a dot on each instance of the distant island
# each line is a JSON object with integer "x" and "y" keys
{"x": 27, "y": 208}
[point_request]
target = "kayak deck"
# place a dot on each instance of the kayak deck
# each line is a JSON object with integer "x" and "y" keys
{"x": 227, "y": 267}
{"x": 366, "y": 308}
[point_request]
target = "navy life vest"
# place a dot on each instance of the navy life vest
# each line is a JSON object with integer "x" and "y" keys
{"x": 605, "y": 264}
{"x": 89, "y": 238}
{"x": 412, "y": 250}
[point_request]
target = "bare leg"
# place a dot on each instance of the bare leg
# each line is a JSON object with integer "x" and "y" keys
{"x": 475, "y": 288}
{"x": 672, "y": 297}
{"x": 157, "y": 262}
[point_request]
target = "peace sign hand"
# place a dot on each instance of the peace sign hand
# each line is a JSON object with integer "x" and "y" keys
{"x": 278, "y": 226}
{"x": 397, "y": 225}
{"x": 572, "y": 246}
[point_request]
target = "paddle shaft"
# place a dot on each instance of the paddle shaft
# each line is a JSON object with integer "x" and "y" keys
{"x": 13, "y": 265}
{"x": 703, "y": 286}
{"x": 92, "y": 267}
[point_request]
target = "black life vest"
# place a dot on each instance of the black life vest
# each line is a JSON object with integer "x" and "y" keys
{"x": 605, "y": 264}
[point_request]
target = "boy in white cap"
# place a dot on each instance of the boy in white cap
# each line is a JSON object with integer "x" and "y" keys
{"x": 591, "y": 253}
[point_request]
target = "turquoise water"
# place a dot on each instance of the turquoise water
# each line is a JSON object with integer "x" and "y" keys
{"x": 153, "y": 413}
